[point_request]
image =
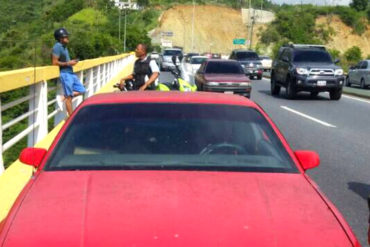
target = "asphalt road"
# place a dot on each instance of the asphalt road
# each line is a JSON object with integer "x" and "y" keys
{"x": 340, "y": 132}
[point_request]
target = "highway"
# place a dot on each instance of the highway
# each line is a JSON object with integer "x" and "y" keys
{"x": 340, "y": 132}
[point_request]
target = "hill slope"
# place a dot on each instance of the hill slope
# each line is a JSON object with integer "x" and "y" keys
{"x": 215, "y": 27}
{"x": 344, "y": 38}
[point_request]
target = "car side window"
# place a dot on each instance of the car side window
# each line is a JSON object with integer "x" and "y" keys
{"x": 358, "y": 65}
{"x": 364, "y": 65}
{"x": 232, "y": 55}
{"x": 284, "y": 54}
{"x": 201, "y": 69}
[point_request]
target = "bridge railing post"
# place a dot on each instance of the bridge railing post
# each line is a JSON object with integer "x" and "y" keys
{"x": 2, "y": 168}
{"x": 98, "y": 78}
{"x": 38, "y": 104}
{"x": 90, "y": 83}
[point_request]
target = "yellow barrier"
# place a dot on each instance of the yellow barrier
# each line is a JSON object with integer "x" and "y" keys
{"x": 10, "y": 80}
{"x": 14, "y": 178}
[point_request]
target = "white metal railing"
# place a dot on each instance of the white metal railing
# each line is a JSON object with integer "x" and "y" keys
{"x": 93, "y": 73}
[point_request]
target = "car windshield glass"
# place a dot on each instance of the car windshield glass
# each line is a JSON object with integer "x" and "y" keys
{"x": 172, "y": 52}
{"x": 197, "y": 60}
{"x": 313, "y": 56}
{"x": 247, "y": 55}
{"x": 170, "y": 137}
{"x": 224, "y": 68}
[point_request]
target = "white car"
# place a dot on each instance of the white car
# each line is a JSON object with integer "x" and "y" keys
{"x": 190, "y": 67}
{"x": 266, "y": 62}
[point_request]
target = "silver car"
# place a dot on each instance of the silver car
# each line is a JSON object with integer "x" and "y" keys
{"x": 165, "y": 59}
{"x": 359, "y": 74}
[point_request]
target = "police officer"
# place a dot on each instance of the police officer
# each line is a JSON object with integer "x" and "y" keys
{"x": 70, "y": 82}
{"x": 146, "y": 71}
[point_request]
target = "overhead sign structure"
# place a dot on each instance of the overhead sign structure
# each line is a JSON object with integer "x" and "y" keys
{"x": 239, "y": 41}
{"x": 168, "y": 34}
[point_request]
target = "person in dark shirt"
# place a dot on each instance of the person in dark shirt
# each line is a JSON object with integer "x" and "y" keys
{"x": 70, "y": 82}
{"x": 146, "y": 71}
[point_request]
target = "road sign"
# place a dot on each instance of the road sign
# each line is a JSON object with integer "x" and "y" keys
{"x": 166, "y": 43}
{"x": 239, "y": 41}
{"x": 168, "y": 34}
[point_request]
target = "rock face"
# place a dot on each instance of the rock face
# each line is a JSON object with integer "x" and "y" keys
{"x": 343, "y": 37}
{"x": 215, "y": 27}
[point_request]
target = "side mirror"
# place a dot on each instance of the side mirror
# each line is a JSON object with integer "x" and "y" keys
{"x": 336, "y": 61}
{"x": 32, "y": 156}
{"x": 307, "y": 159}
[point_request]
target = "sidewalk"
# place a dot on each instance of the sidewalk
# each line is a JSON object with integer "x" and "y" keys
{"x": 356, "y": 91}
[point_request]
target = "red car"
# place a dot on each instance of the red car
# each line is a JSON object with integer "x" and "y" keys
{"x": 225, "y": 76}
{"x": 172, "y": 169}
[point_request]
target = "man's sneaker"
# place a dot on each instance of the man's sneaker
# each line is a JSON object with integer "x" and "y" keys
{"x": 60, "y": 102}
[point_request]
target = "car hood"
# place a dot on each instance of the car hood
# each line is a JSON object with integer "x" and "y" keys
{"x": 317, "y": 65}
{"x": 173, "y": 208}
{"x": 250, "y": 61}
{"x": 226, "y": 77}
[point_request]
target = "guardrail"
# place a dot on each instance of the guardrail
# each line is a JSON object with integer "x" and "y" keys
{"x": 94, "y": 73}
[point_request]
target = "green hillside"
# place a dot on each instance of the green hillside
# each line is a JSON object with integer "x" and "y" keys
{"x": 26, "y": 33}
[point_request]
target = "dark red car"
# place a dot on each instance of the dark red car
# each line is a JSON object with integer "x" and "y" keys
{"x": 172, "y": 169}
{"x": 225, "y": 76}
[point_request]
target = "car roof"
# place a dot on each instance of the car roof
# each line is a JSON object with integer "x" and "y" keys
{"x": 222, "y": 60}
{"x": 168, "y": 97}
{"x": 244, "y": 50}
{"x": 198, "y": 57}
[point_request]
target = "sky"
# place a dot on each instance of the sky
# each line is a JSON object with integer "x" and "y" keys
{"x": 318, "y": 2}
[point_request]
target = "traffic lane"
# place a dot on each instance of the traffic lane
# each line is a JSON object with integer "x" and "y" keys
{"x": 344, "y": 173}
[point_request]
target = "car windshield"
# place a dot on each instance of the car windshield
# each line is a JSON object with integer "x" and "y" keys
{"x": 246, "y": 56}
{"x": 224, "y": 68}
{"x": 312, "y": 56}
{"x": 197, "y": 60}
{"x": 170, "y": 137}
{"x": 172, "y": 52}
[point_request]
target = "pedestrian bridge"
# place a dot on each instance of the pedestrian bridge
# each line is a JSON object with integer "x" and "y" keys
{"x": 38, "y": 87}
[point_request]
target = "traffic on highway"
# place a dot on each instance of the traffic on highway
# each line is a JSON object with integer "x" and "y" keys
{"x": 236, "y": 163}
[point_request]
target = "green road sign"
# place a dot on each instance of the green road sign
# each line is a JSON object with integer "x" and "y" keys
{"x": 239, "y": 41}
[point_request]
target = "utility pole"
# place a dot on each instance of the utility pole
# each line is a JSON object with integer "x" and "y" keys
{"x": 124, "y": 42}
{"x": 119, "y": 24}
{"x": 253, "y": 21}
{"x": 250, "y": 23}
{"x": 192, "y": 29}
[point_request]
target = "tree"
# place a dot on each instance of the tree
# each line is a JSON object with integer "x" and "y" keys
{"x": 353, "y": 54}
{"x": 359, "y": 5}
{"x": 143, "y": 3}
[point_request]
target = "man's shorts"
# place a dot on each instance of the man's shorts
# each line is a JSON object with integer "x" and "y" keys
{"x": 71, "y": 83}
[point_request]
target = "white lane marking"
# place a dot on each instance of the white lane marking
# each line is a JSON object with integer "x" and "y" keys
{"x": 308, "y": 117}
{"x": 356, "y": 98}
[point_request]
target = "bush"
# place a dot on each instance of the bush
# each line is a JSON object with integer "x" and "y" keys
{"x": 334, "y": 53}
{"x": 353, "y": 54}
{"x": 359, "y": 5}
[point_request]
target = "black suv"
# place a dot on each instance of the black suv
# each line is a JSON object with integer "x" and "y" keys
{"x": 250, "y": 62}
{"x": 306, "y": 68}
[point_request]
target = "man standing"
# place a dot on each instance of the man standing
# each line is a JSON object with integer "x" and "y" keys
{"x": 146, "y": 71}
{"x": 71, "y": 84}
